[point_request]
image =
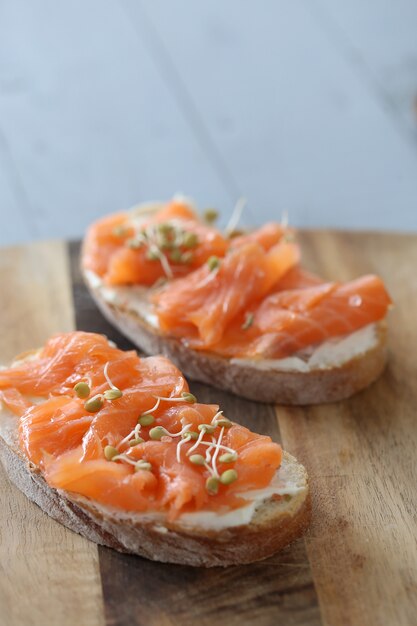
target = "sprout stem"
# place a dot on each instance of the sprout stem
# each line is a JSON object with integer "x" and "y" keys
{"x": 236, "y": 215}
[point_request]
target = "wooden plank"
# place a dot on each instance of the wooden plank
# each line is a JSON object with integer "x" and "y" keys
{"x": 96, "y": 127}
{"x": 15, "y": 225}
{"x": 49, "y": 575}
{"x": 361, "y": 453}
{"x": 298, "y": 124}
{"x": 381, "y": 37}
{"x": 137, "y": 591}
{"x": 93, "y": 126}
{"x": 275, "y": 591}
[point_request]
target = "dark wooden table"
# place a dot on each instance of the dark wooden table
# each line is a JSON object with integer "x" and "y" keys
{"x": 358, "y": 562}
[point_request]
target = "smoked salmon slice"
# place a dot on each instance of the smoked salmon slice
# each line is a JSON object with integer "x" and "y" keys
{"x": 289, "y": 321}
{"x": 209, "y": 298}
{"x": 241, "y": 296}
{"x": 266, "y": 236}
{"x": 170, "y": 242}
{"x": 126, "y": 432}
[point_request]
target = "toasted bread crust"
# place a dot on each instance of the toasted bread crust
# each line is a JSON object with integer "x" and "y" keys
{"x": 263, "y": 385}
{"x": 274, "y": 525}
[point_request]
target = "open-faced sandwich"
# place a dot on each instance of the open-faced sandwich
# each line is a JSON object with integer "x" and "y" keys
{"x": 237, "y": 312}
{"x": 117, "y": 448}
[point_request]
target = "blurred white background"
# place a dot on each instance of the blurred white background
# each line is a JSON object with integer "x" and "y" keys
{"x": 308, "y": 106}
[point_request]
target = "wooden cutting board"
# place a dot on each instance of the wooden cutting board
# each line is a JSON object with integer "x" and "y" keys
{"x": 357, "y": 564}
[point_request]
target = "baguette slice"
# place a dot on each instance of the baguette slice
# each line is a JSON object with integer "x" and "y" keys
{"x": 275, "y": 522}
{"x": 331, "y": 372}
{"x": 254, "y": 380}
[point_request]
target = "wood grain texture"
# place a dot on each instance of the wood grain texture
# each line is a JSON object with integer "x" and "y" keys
{"x": 380, "y": 36}
{"x": 360, "y": 453}
{"x": 299, "y": 123}
{"x": 360, "y": 553}
{"x": 307, "y": 106}
{"x": 141, "y": 592}
{"x": 92, "y": 127}
{"x": 48, "y": 575}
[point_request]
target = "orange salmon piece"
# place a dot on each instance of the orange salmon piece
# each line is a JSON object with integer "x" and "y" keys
{"x": 209, "y": 300}
{"x": 292, "y": 321}
{"x": 267, "y": 236}
{"x": 14, "y": 401}
{"x": 101, "y": 242}
{"x": 106, "y": 248}
{"x": 69, "y": 442}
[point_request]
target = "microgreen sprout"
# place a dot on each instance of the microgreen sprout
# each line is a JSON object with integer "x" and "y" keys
{"x": 143, "y": 465}
{"x": 134, "y": 433}
{"x": 207, "y": 428}
{"x": 208, "y": 452}
{"x": 187, "y": 257}
{"x": 197, "y": 459}
{"x": 176, "y": 255}
{"x": 213, "y": 263}
{"x": 167, "y": 236}
{"x": 152, "y": 409}
{"x": 197, "y": 443}
{"x": 213, "y": 447}
{"x": 112, "y": 394}
{"x": 228, "y": 457}
{"x": 216, "y": 452}
{"x": 160, "y": 282}
{"x": 106, "y": 375}
{"x": 235, "y": 233}
{"x": 210, "y": 215}
{"x": 249, "y": 317}
{"x": 236, "y": 215}
{"x": 223, "y": 422}
{"x": 135, "y": 442}
{"x": 190, "y": 240}
{"x": 146, "y": 419}
{"x": 210, "y": 444}
{"x": 110, "y": 382}
{"x": 157, "y": 433}
{"x": 110, "y": 452}
{"x": 134, "y": 244}
{"x": 165, "y": 228}
{"x": 183, "y": 431}
{"x": 182, "y": 441}
{"x": 124, "y": 458}
{"x": 216, "y": 417}
{"x": 190, "y": 435}
{"x": 153, "y": 254}
{"x": 94, "y": 404}
{"x": 284, "y": 219}
{"x": 228, "y": 477}
{"x": 212, "y": 485}
{"x": 82, "y": 390}
{"x": 188, "y": 397}
{"x": 164, "y": 262}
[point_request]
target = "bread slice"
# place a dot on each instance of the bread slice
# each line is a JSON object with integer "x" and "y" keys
{"x": 274, "y": 522}
{"x": 263, "y": 382}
